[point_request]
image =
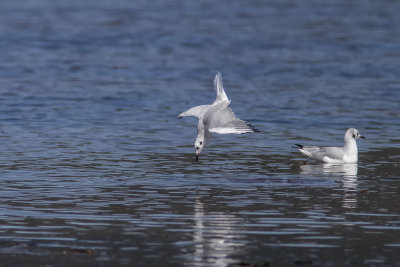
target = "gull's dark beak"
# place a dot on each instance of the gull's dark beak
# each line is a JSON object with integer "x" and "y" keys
{"x": 363, "y": 137}
{"x": 197, "y": 158}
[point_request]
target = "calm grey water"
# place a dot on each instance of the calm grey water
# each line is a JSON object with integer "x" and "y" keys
{"x": 96, "y": 169}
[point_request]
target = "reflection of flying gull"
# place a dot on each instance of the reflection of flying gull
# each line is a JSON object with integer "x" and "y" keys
{"x": 216, "y": 118}
{"x": 346, "y": 154}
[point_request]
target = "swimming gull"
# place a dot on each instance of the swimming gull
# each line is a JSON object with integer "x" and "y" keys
{"x": 346, "y": 154}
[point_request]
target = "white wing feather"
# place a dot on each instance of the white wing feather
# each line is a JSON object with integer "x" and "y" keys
{"x": 220, "y": 119}
{"x": 218, "y": 86}
{"x": 197, "y": 111}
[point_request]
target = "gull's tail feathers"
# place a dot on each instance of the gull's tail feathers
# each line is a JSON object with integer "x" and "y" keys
{"x": 302, "y": 149}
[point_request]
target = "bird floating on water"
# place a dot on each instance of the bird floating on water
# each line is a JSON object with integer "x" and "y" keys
{"x": 346, "y": 154}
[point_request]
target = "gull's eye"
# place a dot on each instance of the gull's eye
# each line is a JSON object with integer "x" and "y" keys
{"x": 201, "y": 142}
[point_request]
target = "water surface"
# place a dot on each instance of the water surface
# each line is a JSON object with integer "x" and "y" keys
{"x": 95, "y": 167}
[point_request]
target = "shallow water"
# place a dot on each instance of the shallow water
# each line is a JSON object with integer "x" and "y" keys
{"x": 95, "y": 167}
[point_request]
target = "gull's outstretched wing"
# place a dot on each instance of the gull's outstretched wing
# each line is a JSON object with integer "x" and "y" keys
{"x": 220, "y": 119}
{"x": 218, "y": 86}
{"x": 197, "y": 111}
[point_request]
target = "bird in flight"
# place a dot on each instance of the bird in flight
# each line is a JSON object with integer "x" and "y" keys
{"x": 216, "y": 118}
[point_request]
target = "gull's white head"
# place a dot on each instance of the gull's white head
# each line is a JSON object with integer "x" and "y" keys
{"x": 198, "y": 145}
{"x": 352, "y": 134}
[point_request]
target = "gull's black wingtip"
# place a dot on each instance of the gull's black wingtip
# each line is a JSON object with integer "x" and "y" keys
{"x": 253, "y": 128}
{"x": 298, "y": 146}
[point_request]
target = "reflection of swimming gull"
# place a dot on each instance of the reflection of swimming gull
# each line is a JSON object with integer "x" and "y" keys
{"x": 346, "y": 154}
{"x": 347, "y": 171}
{"x": 216, "y": 118}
